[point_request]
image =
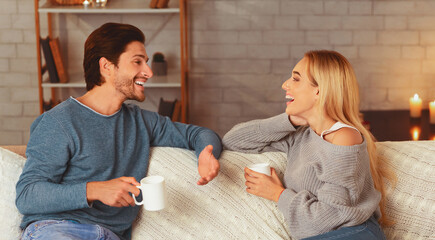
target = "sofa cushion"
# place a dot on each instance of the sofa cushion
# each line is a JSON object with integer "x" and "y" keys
{"x": 412, "y": 203}
{"x": 222, "y": 209}
{"x": 11, "y": 165}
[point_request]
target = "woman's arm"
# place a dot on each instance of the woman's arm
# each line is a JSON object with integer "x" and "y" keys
{"x": 259, "y": 135}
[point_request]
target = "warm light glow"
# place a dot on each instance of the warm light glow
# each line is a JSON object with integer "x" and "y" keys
{"x": 415, "y": 132}
{"x": 415, "y": 106}
{"x": 432, "y": 112}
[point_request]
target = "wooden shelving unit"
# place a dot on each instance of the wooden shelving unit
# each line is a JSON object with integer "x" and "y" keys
{"x": 172, "y": 80}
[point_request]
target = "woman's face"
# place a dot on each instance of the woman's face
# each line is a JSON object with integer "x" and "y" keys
{"x": 301, "y": 95}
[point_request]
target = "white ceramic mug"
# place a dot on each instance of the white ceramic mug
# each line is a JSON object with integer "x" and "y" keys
{"x": 153, "y": 193}
{"x": 261, "y": 168}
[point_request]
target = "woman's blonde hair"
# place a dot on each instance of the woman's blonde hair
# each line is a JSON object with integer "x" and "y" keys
{"x": 339, "y": 96}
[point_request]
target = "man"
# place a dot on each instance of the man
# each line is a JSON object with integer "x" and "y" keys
{"x": 86, "y": 155}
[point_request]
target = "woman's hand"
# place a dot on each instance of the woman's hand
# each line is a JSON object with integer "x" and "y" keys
{"x": 262, "y": 185}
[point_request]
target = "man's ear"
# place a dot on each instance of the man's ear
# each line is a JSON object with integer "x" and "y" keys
{"x": 106, "y": 67}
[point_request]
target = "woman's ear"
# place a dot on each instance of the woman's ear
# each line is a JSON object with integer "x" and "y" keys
{"x": 316, "y": 91}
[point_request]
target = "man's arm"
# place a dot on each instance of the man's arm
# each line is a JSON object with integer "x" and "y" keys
{"x": 205, "y": 142}
{"x": 39, "y": 188}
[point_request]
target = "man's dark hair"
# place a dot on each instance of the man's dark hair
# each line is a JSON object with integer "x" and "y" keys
{"x": 109, "y": 41}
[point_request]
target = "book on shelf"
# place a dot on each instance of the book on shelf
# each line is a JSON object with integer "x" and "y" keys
{"x": 58, "y": 62}
{"x": 49, "y": 61}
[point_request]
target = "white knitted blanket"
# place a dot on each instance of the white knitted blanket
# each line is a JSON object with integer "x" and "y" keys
{"x": 221, "y": 209}
{"x": 412, "y": 203}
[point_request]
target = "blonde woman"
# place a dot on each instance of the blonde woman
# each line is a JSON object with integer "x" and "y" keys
{"x": 333, "y": 183}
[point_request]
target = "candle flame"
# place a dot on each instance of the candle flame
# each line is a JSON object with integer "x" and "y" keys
{"x": 415, "y": 131}
{"x": 416, "y": 96}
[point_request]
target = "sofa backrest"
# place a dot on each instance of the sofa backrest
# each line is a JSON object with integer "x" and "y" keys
{"x": 411, "y": 205}
{"x": 18, "y": 149}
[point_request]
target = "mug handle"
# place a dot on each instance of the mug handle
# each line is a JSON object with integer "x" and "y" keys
{"x": 134, "y": 198}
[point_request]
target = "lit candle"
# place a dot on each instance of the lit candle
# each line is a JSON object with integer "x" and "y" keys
{"x": 415, "y": 106}
{"x": 432, "y": 112}
{"x": 415, "y": 132}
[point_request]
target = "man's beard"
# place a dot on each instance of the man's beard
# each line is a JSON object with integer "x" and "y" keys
{"x": 126, "y": 87}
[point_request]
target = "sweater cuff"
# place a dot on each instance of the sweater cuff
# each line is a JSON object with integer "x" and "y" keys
{"x": 276, "y": 124}
{"x": 208, "y": 137}
{"x": 83, "y": 200}
{"x": 285, "y": 200}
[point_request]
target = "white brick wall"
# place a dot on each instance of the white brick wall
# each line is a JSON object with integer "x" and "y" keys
{"x": 241, "y": 52}
{"x": 18, "y": 92}
{"x": 391, "y": 45}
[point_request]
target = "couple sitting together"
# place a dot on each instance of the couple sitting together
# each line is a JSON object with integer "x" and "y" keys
{"x": 86, "y": 155}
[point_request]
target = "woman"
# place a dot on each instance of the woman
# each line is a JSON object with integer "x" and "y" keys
{"x": 333, "y": 182}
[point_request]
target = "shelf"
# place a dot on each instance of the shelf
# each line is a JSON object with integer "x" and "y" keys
{"x": 112, "y": 6}
{"x": 176, "y": 79}
{"x": 172, "y": 80}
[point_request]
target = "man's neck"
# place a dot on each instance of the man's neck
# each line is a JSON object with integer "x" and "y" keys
{"x": 102, "y": 100}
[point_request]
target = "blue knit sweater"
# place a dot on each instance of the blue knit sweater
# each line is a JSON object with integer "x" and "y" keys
{"x": 71, "y": 145}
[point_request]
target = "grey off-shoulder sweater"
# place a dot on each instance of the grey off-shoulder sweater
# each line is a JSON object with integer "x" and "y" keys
{"x": 327, "y": 186}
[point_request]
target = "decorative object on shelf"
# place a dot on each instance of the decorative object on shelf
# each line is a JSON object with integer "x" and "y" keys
{"x": 100, "y": 3}
{"x": 67, "y": 2}
{"x": 432, "y": 112}
{"x": 49, "y": 61}
{"x": 415, "y": 106}
{"x": 95, "y": 3}
{"x": 170, "y": 109}
{"x": 166, "y": 108}
{"x": 159, "y": 3}
{"x": 159, "y": 65}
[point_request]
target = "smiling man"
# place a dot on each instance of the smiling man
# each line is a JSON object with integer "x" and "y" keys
{"x": 86, "y": 155}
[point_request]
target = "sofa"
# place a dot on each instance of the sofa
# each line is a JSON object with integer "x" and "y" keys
{"x": 223, "y": 209}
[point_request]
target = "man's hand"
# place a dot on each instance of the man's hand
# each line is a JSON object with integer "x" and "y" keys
{"x": 262, "y": 185}
{"x": 115, "y": 192}
{"x": 208, "y": 165}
